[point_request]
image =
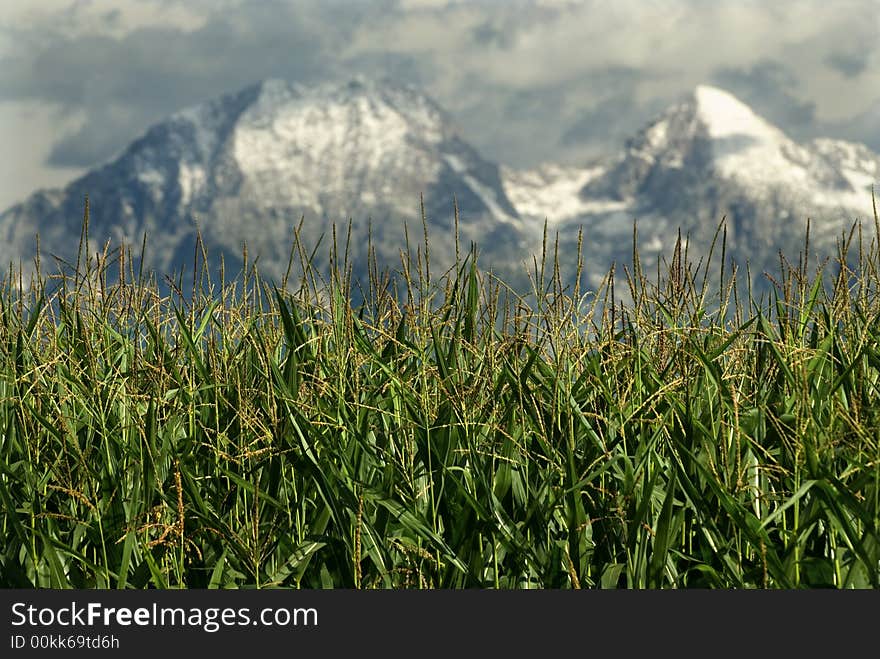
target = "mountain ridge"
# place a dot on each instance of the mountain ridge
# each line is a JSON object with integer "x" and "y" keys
{"x": 705, "y": 158}
{"x": 256, "y": 164}
{"x": 274, "y": 157}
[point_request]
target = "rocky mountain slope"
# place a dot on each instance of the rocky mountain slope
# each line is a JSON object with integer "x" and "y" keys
{"x": 707, "y": 157}
{"x": 249, "y": 166}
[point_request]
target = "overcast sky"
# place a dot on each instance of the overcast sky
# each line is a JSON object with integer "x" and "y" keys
{"x": 526, "y": 80}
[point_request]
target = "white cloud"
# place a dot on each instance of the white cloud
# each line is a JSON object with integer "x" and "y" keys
{"x": 516, "y": 74}
{"x": 109, "y": 17}
{"x": 27, "y": 132}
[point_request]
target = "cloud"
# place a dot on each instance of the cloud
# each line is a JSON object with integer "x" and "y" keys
{"x": 525, "y": 80}
{"x": 107, "y": 129}
{"x": 859, "y": 128}
{"x": 850, "y": 64}
{"x": 606, "y": 124}
{"x": 27, "y": 140}
{"x": 531, "y": 81}
{"x": 121, "y": 85}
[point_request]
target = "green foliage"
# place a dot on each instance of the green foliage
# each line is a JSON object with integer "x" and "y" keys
{"x": 452, "y": 435}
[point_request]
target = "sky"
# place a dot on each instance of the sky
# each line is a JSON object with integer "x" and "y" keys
{"x": 525, "y": 81}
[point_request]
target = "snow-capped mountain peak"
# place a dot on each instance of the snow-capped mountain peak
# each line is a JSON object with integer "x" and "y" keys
{"x": 747, "y": 147}
{"x": 724, "y": 115}
{"x": 711, "y": 136}
{"x": 283, "y": 135}
{"x": 250, "y": 165}
{"x": 706, "y": 157}
{"x": 354, "y": 139}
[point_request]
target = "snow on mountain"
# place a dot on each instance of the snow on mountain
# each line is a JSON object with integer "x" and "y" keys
{"x": 860, "y": 168}
{"x": 551, "y": 192}
{"x": 706, "y": 157}
{"x": 744, "y": 146}
{"x": 250, "y": 165}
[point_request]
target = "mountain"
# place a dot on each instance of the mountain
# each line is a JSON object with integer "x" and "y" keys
{"x": 707, "y": 157}
{"x": 250, "y": 165}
